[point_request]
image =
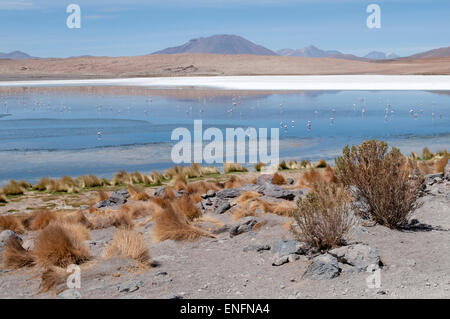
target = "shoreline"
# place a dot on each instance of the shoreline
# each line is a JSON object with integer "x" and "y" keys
{"x": 262, "y": 83}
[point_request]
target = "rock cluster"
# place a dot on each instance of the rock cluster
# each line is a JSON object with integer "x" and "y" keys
{"x": 115, "y": 199}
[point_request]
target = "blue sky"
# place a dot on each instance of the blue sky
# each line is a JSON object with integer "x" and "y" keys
{"x": 136, "y": 27}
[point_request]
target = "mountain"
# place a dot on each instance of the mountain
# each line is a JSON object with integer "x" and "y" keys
{"x": 219, "y": 44}
{"x": 314, "y": 52}
{"x": 377, "y": 55}
{"x": 307, "y": 52}
{"x": 436, "y": 53}
{"x": 15, "y": 55}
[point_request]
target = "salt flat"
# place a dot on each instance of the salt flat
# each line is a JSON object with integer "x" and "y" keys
{"x": 316, "y": 82}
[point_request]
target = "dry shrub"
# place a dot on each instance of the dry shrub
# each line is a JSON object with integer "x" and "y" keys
{"x": 439, "y": 164}
{"x": 309, "y": 178}
{"x": 138, "y": 209}
{"x": 53, "y": 278}
{"x": 233, "y": 167}
{"x": 121, "y": 178}
{"x": 186, "y": 206}
{"x": 42, "y": 184}
{"x": 258, "y": 166}
{"x": 58, "y": 246}
{"x": 169, "y": 193}
{"x": 279, "y": 208}
{"x": 426, "y": 154}
{"x": 329, "y": 175}
{"x": 13, "y": 188}
{"x": 129, "y": 244}
{"x": 283, "y": 166}
{"x": 118, "y": 219}
{"x": 294, "y": 165}
{"x": 102, "y": 195}
{"x": 382, "y": 179}
{"x": 234, "y": 182}
{"x": 12, "y": 223}
{"x": 78, "y": 230}
{"x": 426, "y": 167}
{"x": 278, "y": 179}
{"x": 171, "y": 225}
{"x": 135, "y": 195}
{"x": 201, "y": 187}
{"x": 41, "y": 219}
{"x": 321, "y": 164}
{"x": 15, "y": 256}
{"x": 324, "y": 217}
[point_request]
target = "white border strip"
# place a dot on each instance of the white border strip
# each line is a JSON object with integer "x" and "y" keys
{"x": 316, "y": 82}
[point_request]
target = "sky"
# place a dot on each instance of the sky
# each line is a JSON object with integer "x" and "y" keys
{"x": 138, "y": 27}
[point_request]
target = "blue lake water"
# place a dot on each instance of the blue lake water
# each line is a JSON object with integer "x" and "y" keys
{"x": 56, "y": 133}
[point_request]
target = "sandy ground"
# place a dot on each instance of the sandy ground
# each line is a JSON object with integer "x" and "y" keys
{"x": 416, "y": 264}
{"x": 208, "y": 65}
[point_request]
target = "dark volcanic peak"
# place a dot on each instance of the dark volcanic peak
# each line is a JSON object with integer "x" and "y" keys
{"x": 219, "y": 44}
{"x": 15, "y": 55}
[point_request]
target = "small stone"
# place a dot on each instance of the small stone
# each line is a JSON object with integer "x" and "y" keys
{"x": 257, "y": 248}
{"x": 161, "y": 273}
{"x": 130, "y": 286}
{"x": 289, "y": 181}
{"x": 174, "y": 296}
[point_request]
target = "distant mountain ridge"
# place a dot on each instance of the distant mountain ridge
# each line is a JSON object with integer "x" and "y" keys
{"x": 219, "y": 44}
{"x": 314, "y": 52}
{"x": 435, "y": 53}
{"x": 15, "y": 55}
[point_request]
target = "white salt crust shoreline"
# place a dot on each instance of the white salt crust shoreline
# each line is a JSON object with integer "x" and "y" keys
{"x": 316, "y": 82}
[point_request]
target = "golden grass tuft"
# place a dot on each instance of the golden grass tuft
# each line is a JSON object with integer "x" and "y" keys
{"x": 13, "y": 188}
{"x": 278, "y": 179}
{"x": 234, "y": 182}
{"x": 58, "y": 246}
{"x": 53, "y": 279}
{"x": 258, "y": 166}
{"x": 233, "y": 167}
{"x": 426, "y": 154}
{"x": 321, "y": 164}
{"x": 41, "y": 219}
{"x": 129, "y": 244}
{"x": 283, "y": 208}
{"x": 15, "y": 256}
{"x": 102, "y": 195}
{"x": 171, "y": 225}
{"x": 186, "y": 206}
{"x": 3, "y": 198}
{"x": 12, "y": 223}
{"x": 439, "y": 164}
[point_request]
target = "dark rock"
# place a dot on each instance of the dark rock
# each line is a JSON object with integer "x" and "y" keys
{"x": 323, "y": 267}
{"x": 130, "y": 286}
{"x": 289, "y": 181}
{"x": 275, "y": 191}
{"x": 210, "y": 193}
{"x": 222, "y": 208}
{"x": 236, "y": 192}
{"x": 246, "y": 224}
{"x": 116, "y": 199}
{"x": 359, "y": 256}
{"x": 174, "y": 296}
{"x": 257, "y": 248}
